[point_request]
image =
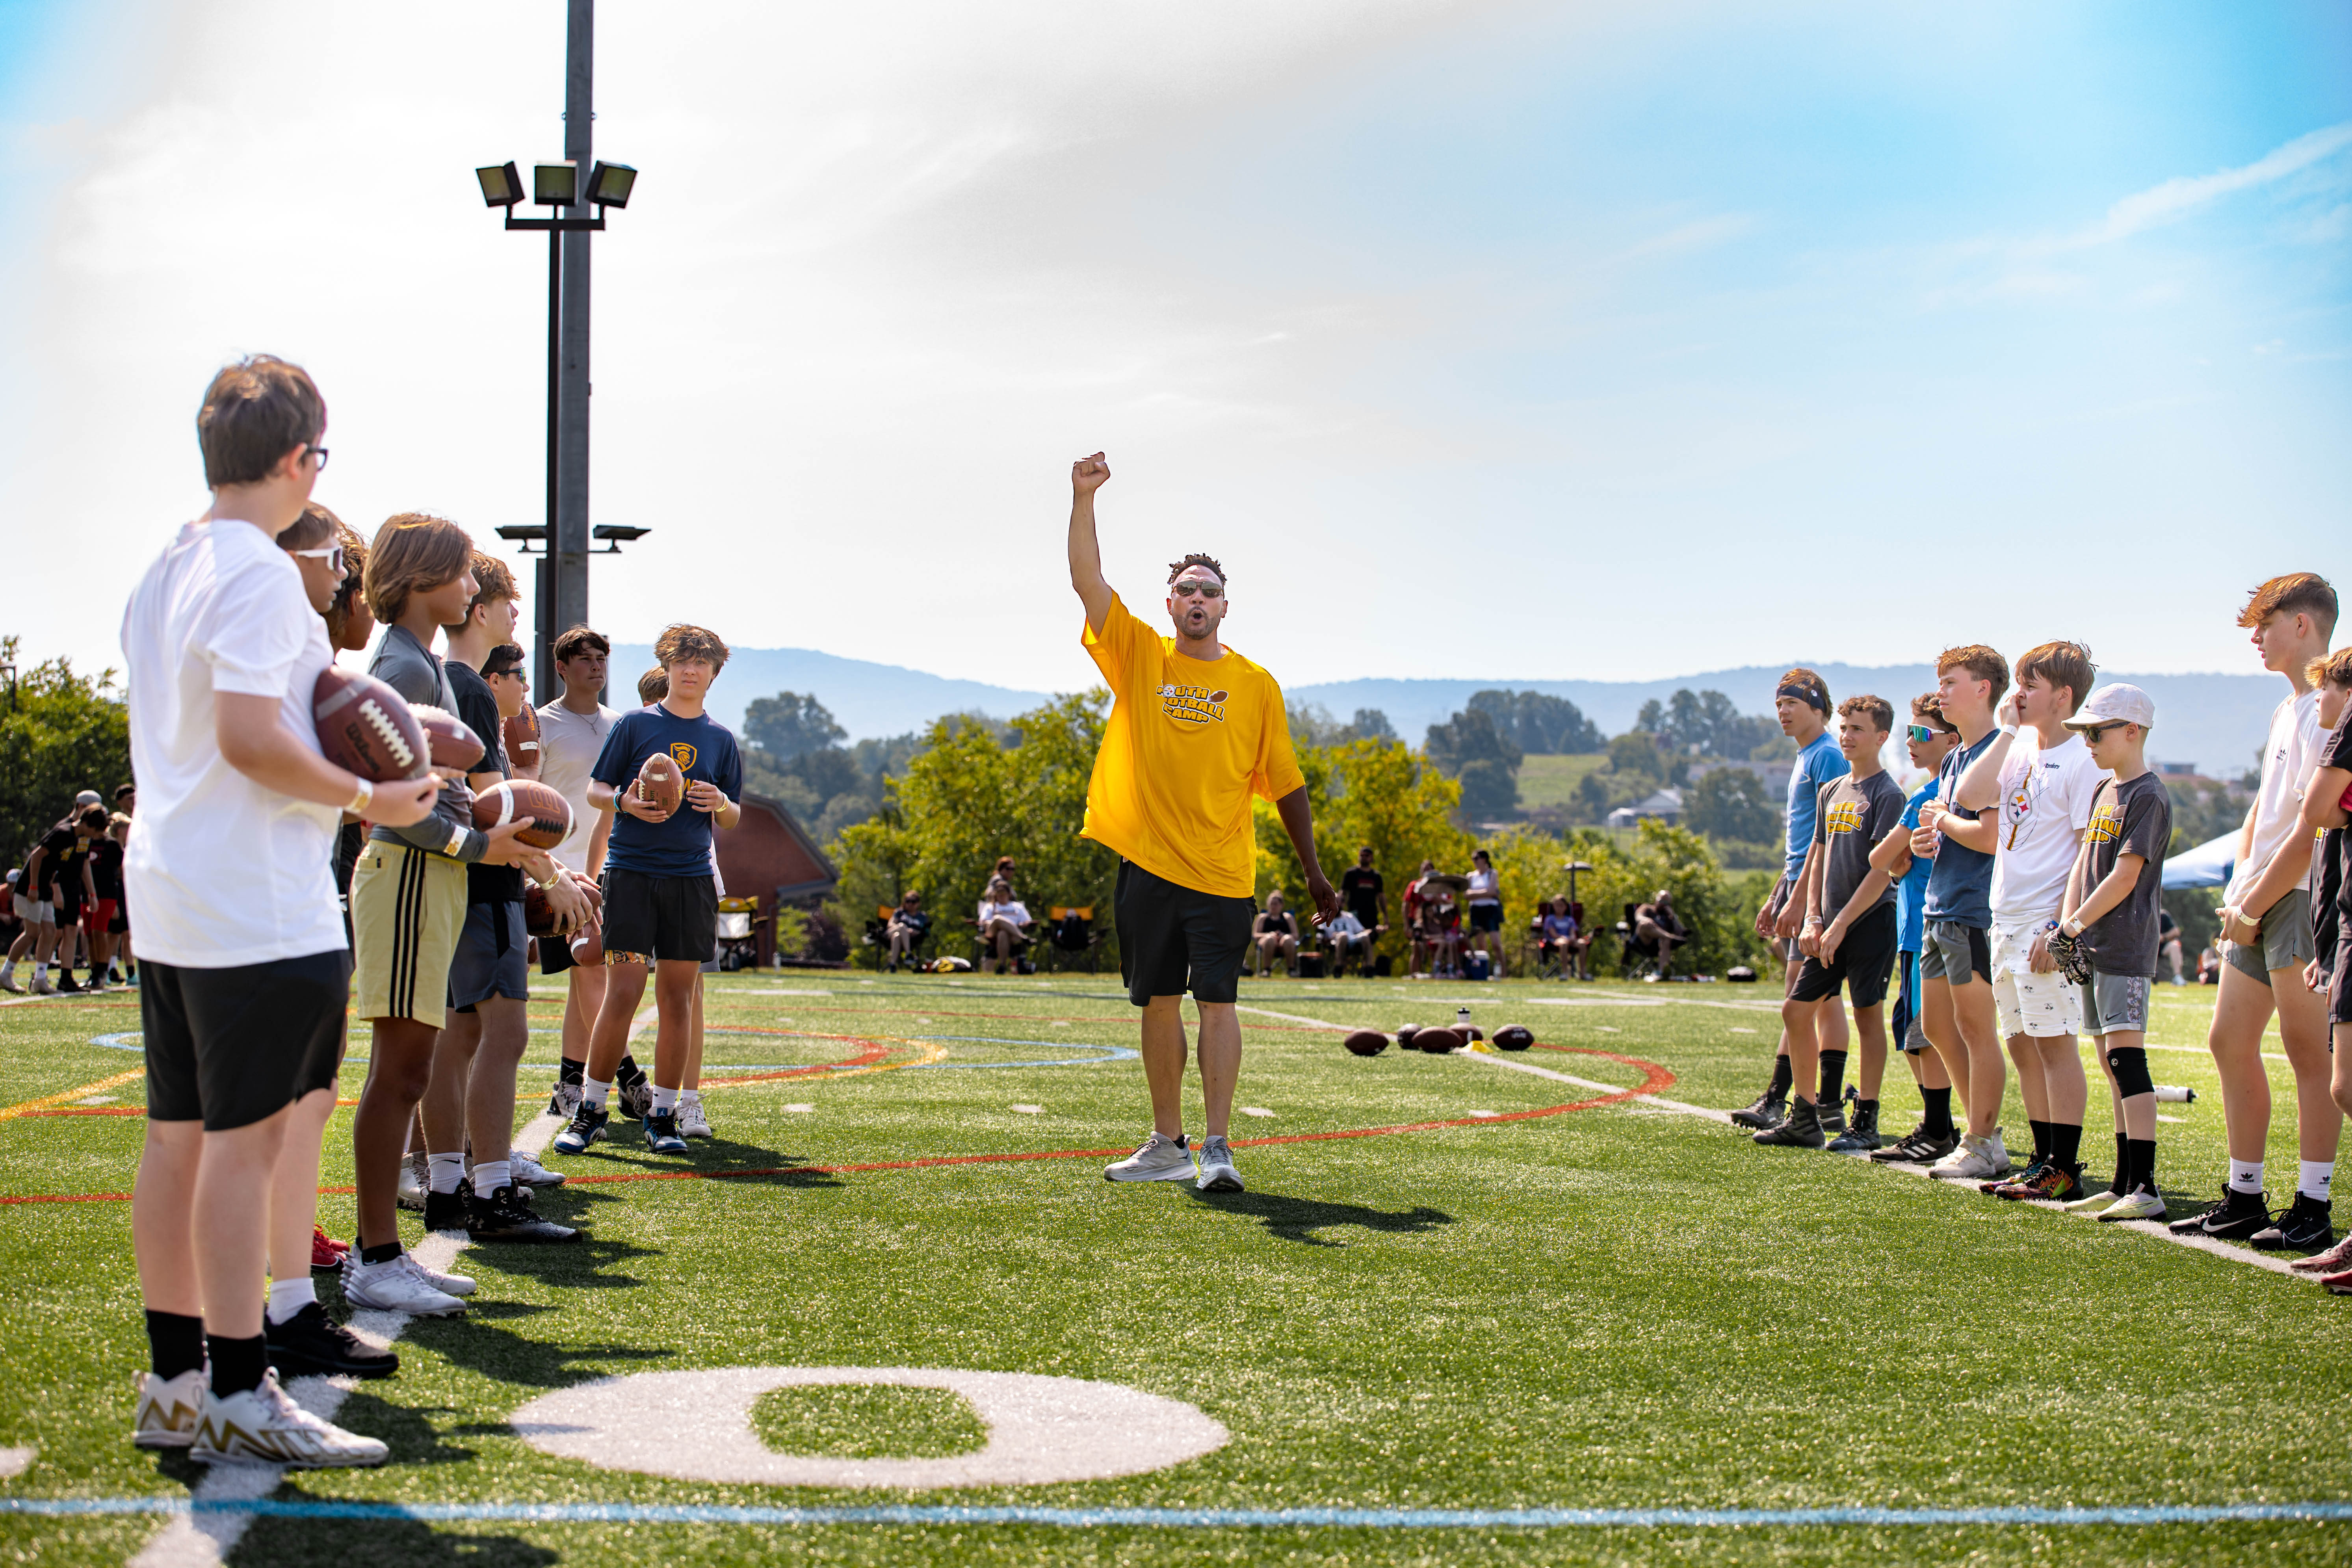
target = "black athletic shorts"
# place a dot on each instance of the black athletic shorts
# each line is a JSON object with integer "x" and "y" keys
{"x": 1486, "y": 916}
{"x": 659, "y": 917}
{"x": 554, "y": 954}
{"x": 1172, "y": 938}
{"x": 233, "y": 1046}
{"x": 1863, "y": 965}
{"x": 2339, "y": 983}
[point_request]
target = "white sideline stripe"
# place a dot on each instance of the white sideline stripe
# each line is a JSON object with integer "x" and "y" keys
{"x": 205, "y": 1540}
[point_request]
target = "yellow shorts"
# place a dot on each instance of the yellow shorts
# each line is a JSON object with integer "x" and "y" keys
{"x": 408, "y": 907}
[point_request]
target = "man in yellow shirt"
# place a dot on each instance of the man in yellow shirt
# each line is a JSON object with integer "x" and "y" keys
{"x": 1195, "y": 731}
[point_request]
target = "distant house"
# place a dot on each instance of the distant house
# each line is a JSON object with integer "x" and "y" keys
{"x": 769, "y": 855}
{"x": 1665, "y": 807}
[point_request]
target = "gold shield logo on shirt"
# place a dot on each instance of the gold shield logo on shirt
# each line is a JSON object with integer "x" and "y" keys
{"x": 682, "y": 753}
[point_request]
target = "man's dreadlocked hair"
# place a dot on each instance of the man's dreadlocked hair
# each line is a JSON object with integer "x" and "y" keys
{"x": 1177, "y": 568}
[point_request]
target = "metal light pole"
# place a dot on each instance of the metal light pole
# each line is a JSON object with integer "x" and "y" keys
{"x": 562, "y": 595}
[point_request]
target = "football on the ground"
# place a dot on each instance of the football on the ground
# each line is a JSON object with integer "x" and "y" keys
{"x": 367, "y": 727}
{"x": 521, "y": 734}
{"x": 455, "y": 746}
{"x": 548, "y": 814}
{"x": 1438, "y": 1042}
{"x": 1405, "y": 1032}
{"x": 660, "y": 782}
{"x": 1367, "y": 1042}
{"x": 1516, "y": 1037}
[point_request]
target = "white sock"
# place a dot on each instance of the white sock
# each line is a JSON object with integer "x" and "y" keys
{"x": 489, "y": 1175}
{"x": 665, "y": 1100}
{"x": 2316, "y": 1174}
{"x": 287, "y": 1297}
{"x": 448, "y": 1172}
{"x": 41, "y": 971}
{"x": 593, "y": 1094}
{"x": 2245, "y": 1175}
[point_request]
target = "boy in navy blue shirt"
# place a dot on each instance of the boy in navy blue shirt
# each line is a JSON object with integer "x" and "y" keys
{"x": 661, "y": 907}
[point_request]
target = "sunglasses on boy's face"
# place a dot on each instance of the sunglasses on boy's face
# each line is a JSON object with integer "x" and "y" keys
{"x": 2091, "y": 732}
{"x": 332, "y": 555}
{"x": 1921, "y": 734}
{"x": 1191, "y": 585}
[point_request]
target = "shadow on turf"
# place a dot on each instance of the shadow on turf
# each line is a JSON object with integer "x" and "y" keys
{"x": 718, "y": 1157}
{"x": 1296, "y": 1219}
{"x": 381, "y": 1543}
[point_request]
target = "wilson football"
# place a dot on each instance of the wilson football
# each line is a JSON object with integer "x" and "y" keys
{"x": 588, "y": 947}
{"x": 1514, "y": 1038}
{"x": 1405, "y": 1034}
{"x": 1367, "y": 1042}
{"x": 660, "y": 782}
{"x": 549, "y": 814}
{"x": 538, "y": 919}
{"x": 521, "y": 734}
{"x": 367, "y": 727}
{"x": 452, "y": 742}
{"x": 1438, "y": 1042}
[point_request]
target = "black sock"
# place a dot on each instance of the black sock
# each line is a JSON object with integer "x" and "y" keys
{"x": 2142, "y": 1156}
{"x": 628, "y": 1075}
{"x": 385, "y": 1254}
{"x": 2122, "y": 1182}
{"x": 237, "y": 1364}
{"x": 1781, "y": 1078}
{"x": 2066, "y": 1146}
{"x": 175, "y": 1342}
{"x": 2041, "y": 1140}
{"x": 1939, "y": 1109}
{"x": 1832, "y": 1077}
{"x": 571, "y": 1072}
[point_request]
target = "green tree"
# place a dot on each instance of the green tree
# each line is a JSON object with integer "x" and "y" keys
{"x": 1535, "y": 721}
{"x": 1375, "y": 793}
{"x": 59, "y": 733}
{"x": 1731, "y": 803}
{"x": 788, "y": 724}
{"x": 1718, "y": 909}
{"x": 1481, "y": 758}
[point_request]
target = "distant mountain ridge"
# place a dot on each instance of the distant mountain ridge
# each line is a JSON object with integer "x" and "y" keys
{"x": 2217, "y": 722}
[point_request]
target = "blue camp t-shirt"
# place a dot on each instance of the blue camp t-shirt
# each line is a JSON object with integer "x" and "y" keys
{"x": 1911, "y": 892}
{"x": 705, "y": 749}
{"x": 1816, "y": 766}
{"x": 1961, "y": 886}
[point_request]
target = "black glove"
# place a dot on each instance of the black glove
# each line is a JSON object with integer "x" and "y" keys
{"x": 2071, "y": 961}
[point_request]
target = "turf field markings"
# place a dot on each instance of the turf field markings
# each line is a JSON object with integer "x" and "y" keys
{"x": 98, "y": 1087}
{"x": 1656, "y": 1101}
{"x": 2176, "y": 1119}
{"x": 775, "y": 991}
{"x": 1253, "y": 1111}
{"x": 1738, "y": 1030}
{"x": 15, "y": 1462}
{"x": 800, "y": 1107}
{"x": 1030, "y": 1109}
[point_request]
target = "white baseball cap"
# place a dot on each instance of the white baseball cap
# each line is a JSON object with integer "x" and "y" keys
{"x": 89, "y": 798}
{"x": 2117, "y": 702}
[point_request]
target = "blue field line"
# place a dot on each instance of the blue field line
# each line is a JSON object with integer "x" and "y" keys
{"x": 1195, "y": 1517}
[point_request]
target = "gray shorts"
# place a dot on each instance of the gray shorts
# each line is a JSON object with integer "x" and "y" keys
{"x": 35, "y": 911}
{"x": 2113, "y": 1003}
{"x": 1954, "y": 951}
{"x": 491, "y": 959}
{"x": 2286, "y": 941}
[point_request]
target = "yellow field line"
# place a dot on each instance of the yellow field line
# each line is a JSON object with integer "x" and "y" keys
{"x": 116, "y": 1081}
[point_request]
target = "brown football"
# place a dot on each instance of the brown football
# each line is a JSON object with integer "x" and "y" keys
{"x": 455, "y": 746}
{"x": 1367, "y": 1042}
{"x": 538, "y": 917}
{"x": 549, "y": 814}
{"x": 521, "y": 734}
{"x": 367, "y": 727}
{"x": 1438, "y": 1042}
{"x": 660, "y": 782}
{"x": 1515, "y": 1038}
{"x": 588, "y": 948}
{"x": 1406, "y": 1033}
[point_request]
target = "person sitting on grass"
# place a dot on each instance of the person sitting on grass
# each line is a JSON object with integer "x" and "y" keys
{"x": 1656, "y": 922}
{"x": 1275, "y": 934}
{"x": 908, "y": 928}
{"x": 1346, "y": 935}
{"x": 1560, "y": 937}
{"x": 1004, "y": 926}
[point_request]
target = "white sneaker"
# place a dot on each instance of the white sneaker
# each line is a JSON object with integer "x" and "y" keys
{"x": 168, "y": 1409}
{"x": 1971, "y": 1161}
{"x": 2137, "y": 1203}
{"x": 1157, "y": 1159}
{"x": 8, "y": 982}
{"x": 1998, "y": 1152}
{"x": 396, "y": 1285}
{"x": 412, "y": 1176}
{"x": 529, "y": 1173}
{"x": 2094, "y": 1203}
{"x": 262, "y": 1425}
{"x": 1218, "y": 1171}
{"x": 459, "y": 1285}
{"x": 41, "y": 986}
{"x": 691, "y": 1122}
{"x": 565, "y": 1100}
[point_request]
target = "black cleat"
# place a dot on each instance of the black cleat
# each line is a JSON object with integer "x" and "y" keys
{"x": 1862, "y": 1133}
{"x": 2304, "y": 1227}
{"x": 1802, "y": 1130}
{"x": 310, "y": 1343}
{"x": 1765, "y": 1111}
{"x": 501, "y": 1217}
{"x": 2235, "y": 1218}
{"x": 445, "y": 1211}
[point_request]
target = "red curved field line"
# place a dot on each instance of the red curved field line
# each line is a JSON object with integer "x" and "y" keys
{"x": 1654, "y": 1078}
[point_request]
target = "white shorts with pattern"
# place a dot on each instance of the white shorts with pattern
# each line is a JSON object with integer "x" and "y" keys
{"x": 2042, "y": 1005}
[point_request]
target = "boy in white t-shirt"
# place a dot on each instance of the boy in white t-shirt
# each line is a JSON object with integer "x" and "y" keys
{"x": 2266, "y": 941}
{"x": 571, "y": 732}
{"x": 246, "y": 967}
{"x": 2040, "y": 776}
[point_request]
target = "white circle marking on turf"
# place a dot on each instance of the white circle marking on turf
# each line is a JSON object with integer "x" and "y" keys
{"x": 801, "y": 1109}
{"x": 1253, "y": 1111}
{"x": 1030, "y": 1109}
{"x": 696, "y": 1427}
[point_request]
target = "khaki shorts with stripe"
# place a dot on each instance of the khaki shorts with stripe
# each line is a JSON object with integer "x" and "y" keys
{"x": 408, "y": 908}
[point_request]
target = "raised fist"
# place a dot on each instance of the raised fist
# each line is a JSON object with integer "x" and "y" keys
{"x": 1089, "y": 475}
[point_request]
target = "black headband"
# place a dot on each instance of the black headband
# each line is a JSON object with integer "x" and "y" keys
{"x": 1811, "y": 696}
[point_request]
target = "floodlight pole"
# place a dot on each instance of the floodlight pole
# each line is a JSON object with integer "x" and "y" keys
{"x": 568, "y": 386}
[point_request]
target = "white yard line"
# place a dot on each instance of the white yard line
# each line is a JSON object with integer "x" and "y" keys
{"x": 205, "y": 1540}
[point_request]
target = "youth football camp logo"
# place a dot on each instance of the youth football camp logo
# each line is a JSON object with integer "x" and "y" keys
{"x": 1194, "y": 704}
{"x": 1846, "y": 816}
{"x": 682, "y": 753}
{"x": 2107, "y": 825}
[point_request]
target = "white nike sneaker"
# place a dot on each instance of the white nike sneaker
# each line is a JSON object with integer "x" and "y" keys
{"x": 565, "y": 1100}
{"x": 262, "y": 1425}
{"x": 1158, "y": 1159}
{"x": 413, "y": 1175}
{"x": 1998, "y": 1152}
{"x": 1218, "y": 1171}
{"x": 396, "y": 1285}
{"x": 691, "y": 1122}
{"x": 1971, "y": 1161}
{"x": 459, "y": 1285}
{"x": 529, "y": 1173}
{"x": 168, "y": 1410}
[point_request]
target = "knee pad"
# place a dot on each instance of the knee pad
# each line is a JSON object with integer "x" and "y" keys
{"x": 2129, "y": 1063}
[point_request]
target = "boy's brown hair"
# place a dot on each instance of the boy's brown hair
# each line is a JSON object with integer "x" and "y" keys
{"x": 413, "y": 551}
{"x": 492, "y": 582}
{"x": 579, "y": 639}
{"x": 2066, "y": 664}
{"x": 308, "y": 531}
{"x": 1984, "y": 663}
{"x": 1877, "y": 710}
{"x": 1816, "y": 690}
{"x": 355, "y": 560}
{"x": 653, "y": 685}
{"x": 2334, "y": 669}
{"x": 2303, "y": 592}
{"x": 1928, "y": 709}
{"x": 254, "y": 412}
{"x": 682, "y": 641}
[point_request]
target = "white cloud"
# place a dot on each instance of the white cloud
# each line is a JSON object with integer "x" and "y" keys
{"x": 2177, "y": 198}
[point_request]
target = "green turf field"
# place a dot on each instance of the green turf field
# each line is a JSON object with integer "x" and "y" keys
{"x": 1496, "y": 1306}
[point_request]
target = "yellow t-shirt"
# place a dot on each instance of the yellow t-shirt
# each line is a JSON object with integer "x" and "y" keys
{"x": 1187, "y": 745}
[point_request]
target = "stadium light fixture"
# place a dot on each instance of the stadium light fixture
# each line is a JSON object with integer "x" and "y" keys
{"x": 555, "y": 185}
{"x": 501, "y": 185}
{"x": 609, "y": 185}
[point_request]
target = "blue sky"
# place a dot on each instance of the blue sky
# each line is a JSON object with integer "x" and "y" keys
{"x": 1537, "y": 341}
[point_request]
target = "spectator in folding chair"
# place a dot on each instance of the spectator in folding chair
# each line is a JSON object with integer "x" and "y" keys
{"x": 1274, "y": 936}
{"x": 1560, "y": 940}
{"x": 1659, "y": 929}
{"x": 1069, "y": 931}
{"x": 907, "y": 929}
{"x": 1346, "y": 935}
{"x": 1005, "y": 927}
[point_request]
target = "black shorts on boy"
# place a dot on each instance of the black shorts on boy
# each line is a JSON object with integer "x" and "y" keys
{"x": 233, "y": 1046}
{"x": 651, "y": 917}
{"x": 1864, "y": 964}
